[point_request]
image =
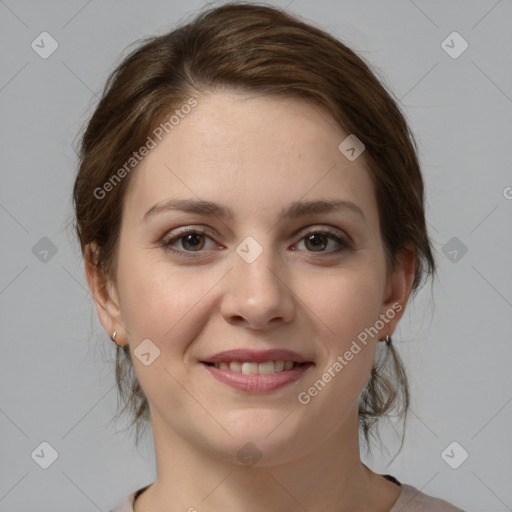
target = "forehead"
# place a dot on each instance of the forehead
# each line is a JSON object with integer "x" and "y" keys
{"x": 253, "y": 152}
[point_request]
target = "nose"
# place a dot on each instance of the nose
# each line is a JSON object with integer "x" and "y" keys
{"x": 257, "y": 295}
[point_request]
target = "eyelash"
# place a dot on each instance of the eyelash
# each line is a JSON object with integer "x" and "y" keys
{"x": 167, "y": 243}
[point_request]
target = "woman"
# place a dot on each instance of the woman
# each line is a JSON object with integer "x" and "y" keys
{"x": 250, "y": 209}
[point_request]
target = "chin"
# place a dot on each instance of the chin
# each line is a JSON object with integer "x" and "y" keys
{"x": 262, "y": 438}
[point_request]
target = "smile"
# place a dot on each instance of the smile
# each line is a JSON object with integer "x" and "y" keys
{"x": 250, "y": 368}
{"x": 257, "y": 371}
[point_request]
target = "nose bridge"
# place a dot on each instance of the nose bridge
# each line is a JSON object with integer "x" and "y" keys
{"x": 257, "y": 291}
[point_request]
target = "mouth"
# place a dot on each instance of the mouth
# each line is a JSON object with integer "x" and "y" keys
{"x": 250, "y": 368}
{"x": 257, "y": 371}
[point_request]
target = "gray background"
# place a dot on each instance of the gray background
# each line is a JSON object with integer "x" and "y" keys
{"x": 56, "y": 377}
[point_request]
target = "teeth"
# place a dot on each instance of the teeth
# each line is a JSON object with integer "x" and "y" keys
{"x": 250, "y": 368}
{"x": 278, "y": 366}
{"x": 266, "y": 368}
{"x": 235, "y": 366}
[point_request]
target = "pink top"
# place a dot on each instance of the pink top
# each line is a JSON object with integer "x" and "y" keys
{"x": 411, "y": 500}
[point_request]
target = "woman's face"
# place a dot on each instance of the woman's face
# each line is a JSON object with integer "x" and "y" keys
{"x": 265, "y": 268}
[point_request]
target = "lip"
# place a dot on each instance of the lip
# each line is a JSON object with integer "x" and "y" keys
{"x": 256, "y": 356}
{"x": 257, "y": 383}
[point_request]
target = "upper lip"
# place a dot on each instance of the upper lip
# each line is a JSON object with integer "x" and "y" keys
{"x": 256, "y": 356}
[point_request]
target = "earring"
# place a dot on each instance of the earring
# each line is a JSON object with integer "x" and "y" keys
{"x": 113, "y": 337}
{"x": 387, "y": 339}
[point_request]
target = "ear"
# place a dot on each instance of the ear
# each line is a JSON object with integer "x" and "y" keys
{"x": 397, "y": 291}
{"x": 105, "y": 296}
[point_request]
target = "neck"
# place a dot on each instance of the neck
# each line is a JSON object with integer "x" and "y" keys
{"x": 330, "y": 477}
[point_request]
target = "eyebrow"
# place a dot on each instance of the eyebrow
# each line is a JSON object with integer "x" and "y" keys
{"x": 294, "y": 210}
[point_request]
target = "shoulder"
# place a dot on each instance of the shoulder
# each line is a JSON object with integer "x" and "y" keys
{"x": 413, "y": 500}
{"x": 127, "y": 504}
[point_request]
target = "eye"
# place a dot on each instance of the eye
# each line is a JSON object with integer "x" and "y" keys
{"x": 318, "y": 241}
{"x": 191, "y": 240}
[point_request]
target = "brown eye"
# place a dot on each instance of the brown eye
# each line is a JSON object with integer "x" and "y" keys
{"x": 324, "y": 242}
{"x": 316, "y": 241}
{"x": 192, "y": 241}
{"x": 188, "y": 242}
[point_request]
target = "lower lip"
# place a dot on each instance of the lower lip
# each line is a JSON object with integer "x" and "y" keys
{"x": 257, "y": 383}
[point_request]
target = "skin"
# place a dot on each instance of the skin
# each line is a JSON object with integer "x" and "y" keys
{"x": 255, "y": 155}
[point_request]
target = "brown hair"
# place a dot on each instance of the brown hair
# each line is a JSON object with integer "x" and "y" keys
{"x": 261, "y": 49}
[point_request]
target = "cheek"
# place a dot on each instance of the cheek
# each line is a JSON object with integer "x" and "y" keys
{"x": 342, "y": 312}
{"x": 159, "y": 301}
{"x": 342, "y": 303}
{"x": 345, "y": 307}
{"x": 167, "y": 306}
